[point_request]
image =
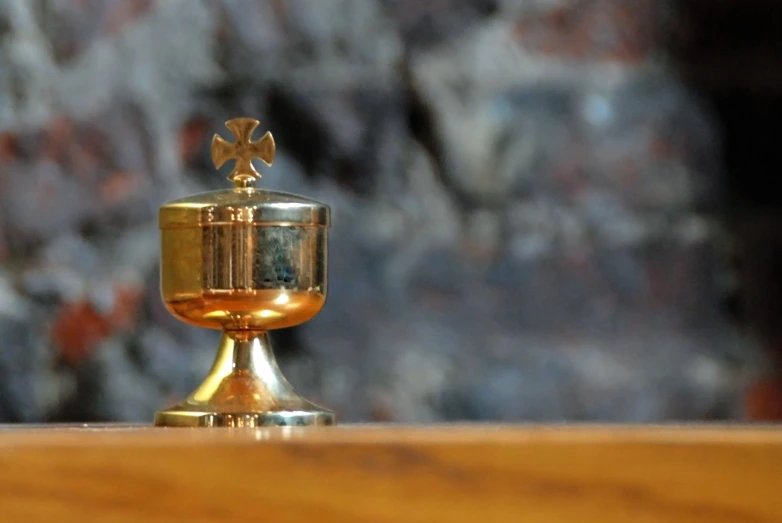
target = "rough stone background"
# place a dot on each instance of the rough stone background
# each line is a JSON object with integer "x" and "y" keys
{"x": 526, "y": 201}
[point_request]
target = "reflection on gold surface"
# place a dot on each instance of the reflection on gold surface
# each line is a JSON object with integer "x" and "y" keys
{"x": 253, "y": 309}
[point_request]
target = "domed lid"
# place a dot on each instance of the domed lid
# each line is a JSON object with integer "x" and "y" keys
{"x": 243, "y": 203}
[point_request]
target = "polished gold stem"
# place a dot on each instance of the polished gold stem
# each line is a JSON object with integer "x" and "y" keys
{"x": 245, "y": 375}
{"x": 245, "y": 387}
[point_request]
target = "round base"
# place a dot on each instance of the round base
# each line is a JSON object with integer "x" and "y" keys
{"x": 295, "y": 418}
{"x": 244, "y": 388}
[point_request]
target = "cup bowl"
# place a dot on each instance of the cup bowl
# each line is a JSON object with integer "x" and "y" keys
{"x": 244, "y": 276}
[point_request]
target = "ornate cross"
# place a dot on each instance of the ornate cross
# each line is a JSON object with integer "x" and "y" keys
{"x": 243, "y": 150}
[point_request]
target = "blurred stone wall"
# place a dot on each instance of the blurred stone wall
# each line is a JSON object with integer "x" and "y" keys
{"x": 524, "y": 197}
{"x": 729, "y": 52}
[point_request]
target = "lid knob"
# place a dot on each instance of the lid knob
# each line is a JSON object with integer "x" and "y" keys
{"x": 243, "y": 150}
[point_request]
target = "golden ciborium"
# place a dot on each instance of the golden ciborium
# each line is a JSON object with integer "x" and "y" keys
{"x": 245, "y": 261}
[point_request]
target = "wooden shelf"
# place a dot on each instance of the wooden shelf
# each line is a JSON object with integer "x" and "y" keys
{"x": 453, "y": 473}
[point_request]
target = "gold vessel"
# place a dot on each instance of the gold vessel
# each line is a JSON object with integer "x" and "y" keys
{"x": 245, "y": 261}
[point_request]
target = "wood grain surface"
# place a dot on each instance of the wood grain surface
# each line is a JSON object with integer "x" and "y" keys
{"x": 453, "y": 473}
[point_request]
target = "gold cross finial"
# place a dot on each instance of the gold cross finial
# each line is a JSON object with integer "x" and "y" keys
{"x": 243, "y": 150}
